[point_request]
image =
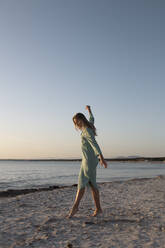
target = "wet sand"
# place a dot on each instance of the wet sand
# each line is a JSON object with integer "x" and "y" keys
{"x": 133, "y": 216}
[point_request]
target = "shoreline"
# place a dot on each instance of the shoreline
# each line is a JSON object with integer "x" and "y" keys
{"x": 17, "y": 192}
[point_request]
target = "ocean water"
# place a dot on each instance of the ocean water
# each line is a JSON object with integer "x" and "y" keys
{"x": 38, "y": 174}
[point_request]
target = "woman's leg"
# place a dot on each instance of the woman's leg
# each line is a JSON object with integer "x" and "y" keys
{"x": 79, "y": 195}
{"x": 96, "y": 198}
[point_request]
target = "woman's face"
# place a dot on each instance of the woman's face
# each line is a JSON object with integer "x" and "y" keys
{"x": 78, "y": 123}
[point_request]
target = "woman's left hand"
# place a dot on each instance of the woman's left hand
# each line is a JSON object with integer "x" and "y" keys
{"x": 103, "y": 163}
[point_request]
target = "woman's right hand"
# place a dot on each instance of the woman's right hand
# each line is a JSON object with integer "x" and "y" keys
{"x": 88, "y": 107}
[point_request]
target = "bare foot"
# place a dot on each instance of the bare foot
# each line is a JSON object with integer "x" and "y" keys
{"x": 97, "y": 212}
{"x": 72, "y": 212}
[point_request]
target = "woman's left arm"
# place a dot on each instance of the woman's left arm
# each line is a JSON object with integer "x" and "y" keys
{"x": 91, "y": 139}
{"x": 102, "y": 161}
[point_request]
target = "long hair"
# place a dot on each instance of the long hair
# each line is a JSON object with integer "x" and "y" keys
{"x": 86, "y": 123}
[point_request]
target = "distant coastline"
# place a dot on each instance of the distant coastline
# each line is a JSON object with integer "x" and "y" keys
{"x": 124, "y": 159}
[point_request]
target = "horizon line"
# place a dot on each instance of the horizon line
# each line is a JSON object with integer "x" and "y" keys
{"x": 72, "y": 159}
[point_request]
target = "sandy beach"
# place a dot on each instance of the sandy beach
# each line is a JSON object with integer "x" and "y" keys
{"x": 133, "y": 216}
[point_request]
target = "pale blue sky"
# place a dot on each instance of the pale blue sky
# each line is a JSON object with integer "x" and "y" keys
{"x": 58, "y": 56}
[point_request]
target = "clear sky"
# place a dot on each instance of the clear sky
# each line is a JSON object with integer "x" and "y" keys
{"x": 57, "y": 56}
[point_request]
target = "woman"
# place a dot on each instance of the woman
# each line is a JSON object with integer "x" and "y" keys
{"x": 90, "y": 154}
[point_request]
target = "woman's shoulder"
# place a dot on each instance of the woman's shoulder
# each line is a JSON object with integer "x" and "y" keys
{"x": 88, "y": 131}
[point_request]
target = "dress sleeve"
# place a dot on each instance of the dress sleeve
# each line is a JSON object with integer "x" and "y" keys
{"x": 91, "y": 118}
{"x": 91, "y": 139}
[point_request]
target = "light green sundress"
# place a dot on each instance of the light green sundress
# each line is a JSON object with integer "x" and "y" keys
{"x": 90, "y": 152}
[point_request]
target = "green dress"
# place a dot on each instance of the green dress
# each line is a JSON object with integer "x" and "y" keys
{"x": 90, "y": 152}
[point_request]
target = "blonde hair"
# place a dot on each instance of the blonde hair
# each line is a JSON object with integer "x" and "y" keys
{"x": 86, "y": 123}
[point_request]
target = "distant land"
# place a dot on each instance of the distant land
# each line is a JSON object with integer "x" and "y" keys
{"x": 120, "y": 159}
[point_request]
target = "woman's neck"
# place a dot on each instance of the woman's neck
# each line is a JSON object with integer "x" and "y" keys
{"x": 83, "y": 128}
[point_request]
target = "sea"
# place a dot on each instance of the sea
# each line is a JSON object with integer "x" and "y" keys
{"x": 41, "y": 174}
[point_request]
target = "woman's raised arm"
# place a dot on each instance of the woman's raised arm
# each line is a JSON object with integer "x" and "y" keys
{"x": 91, "y": 117}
